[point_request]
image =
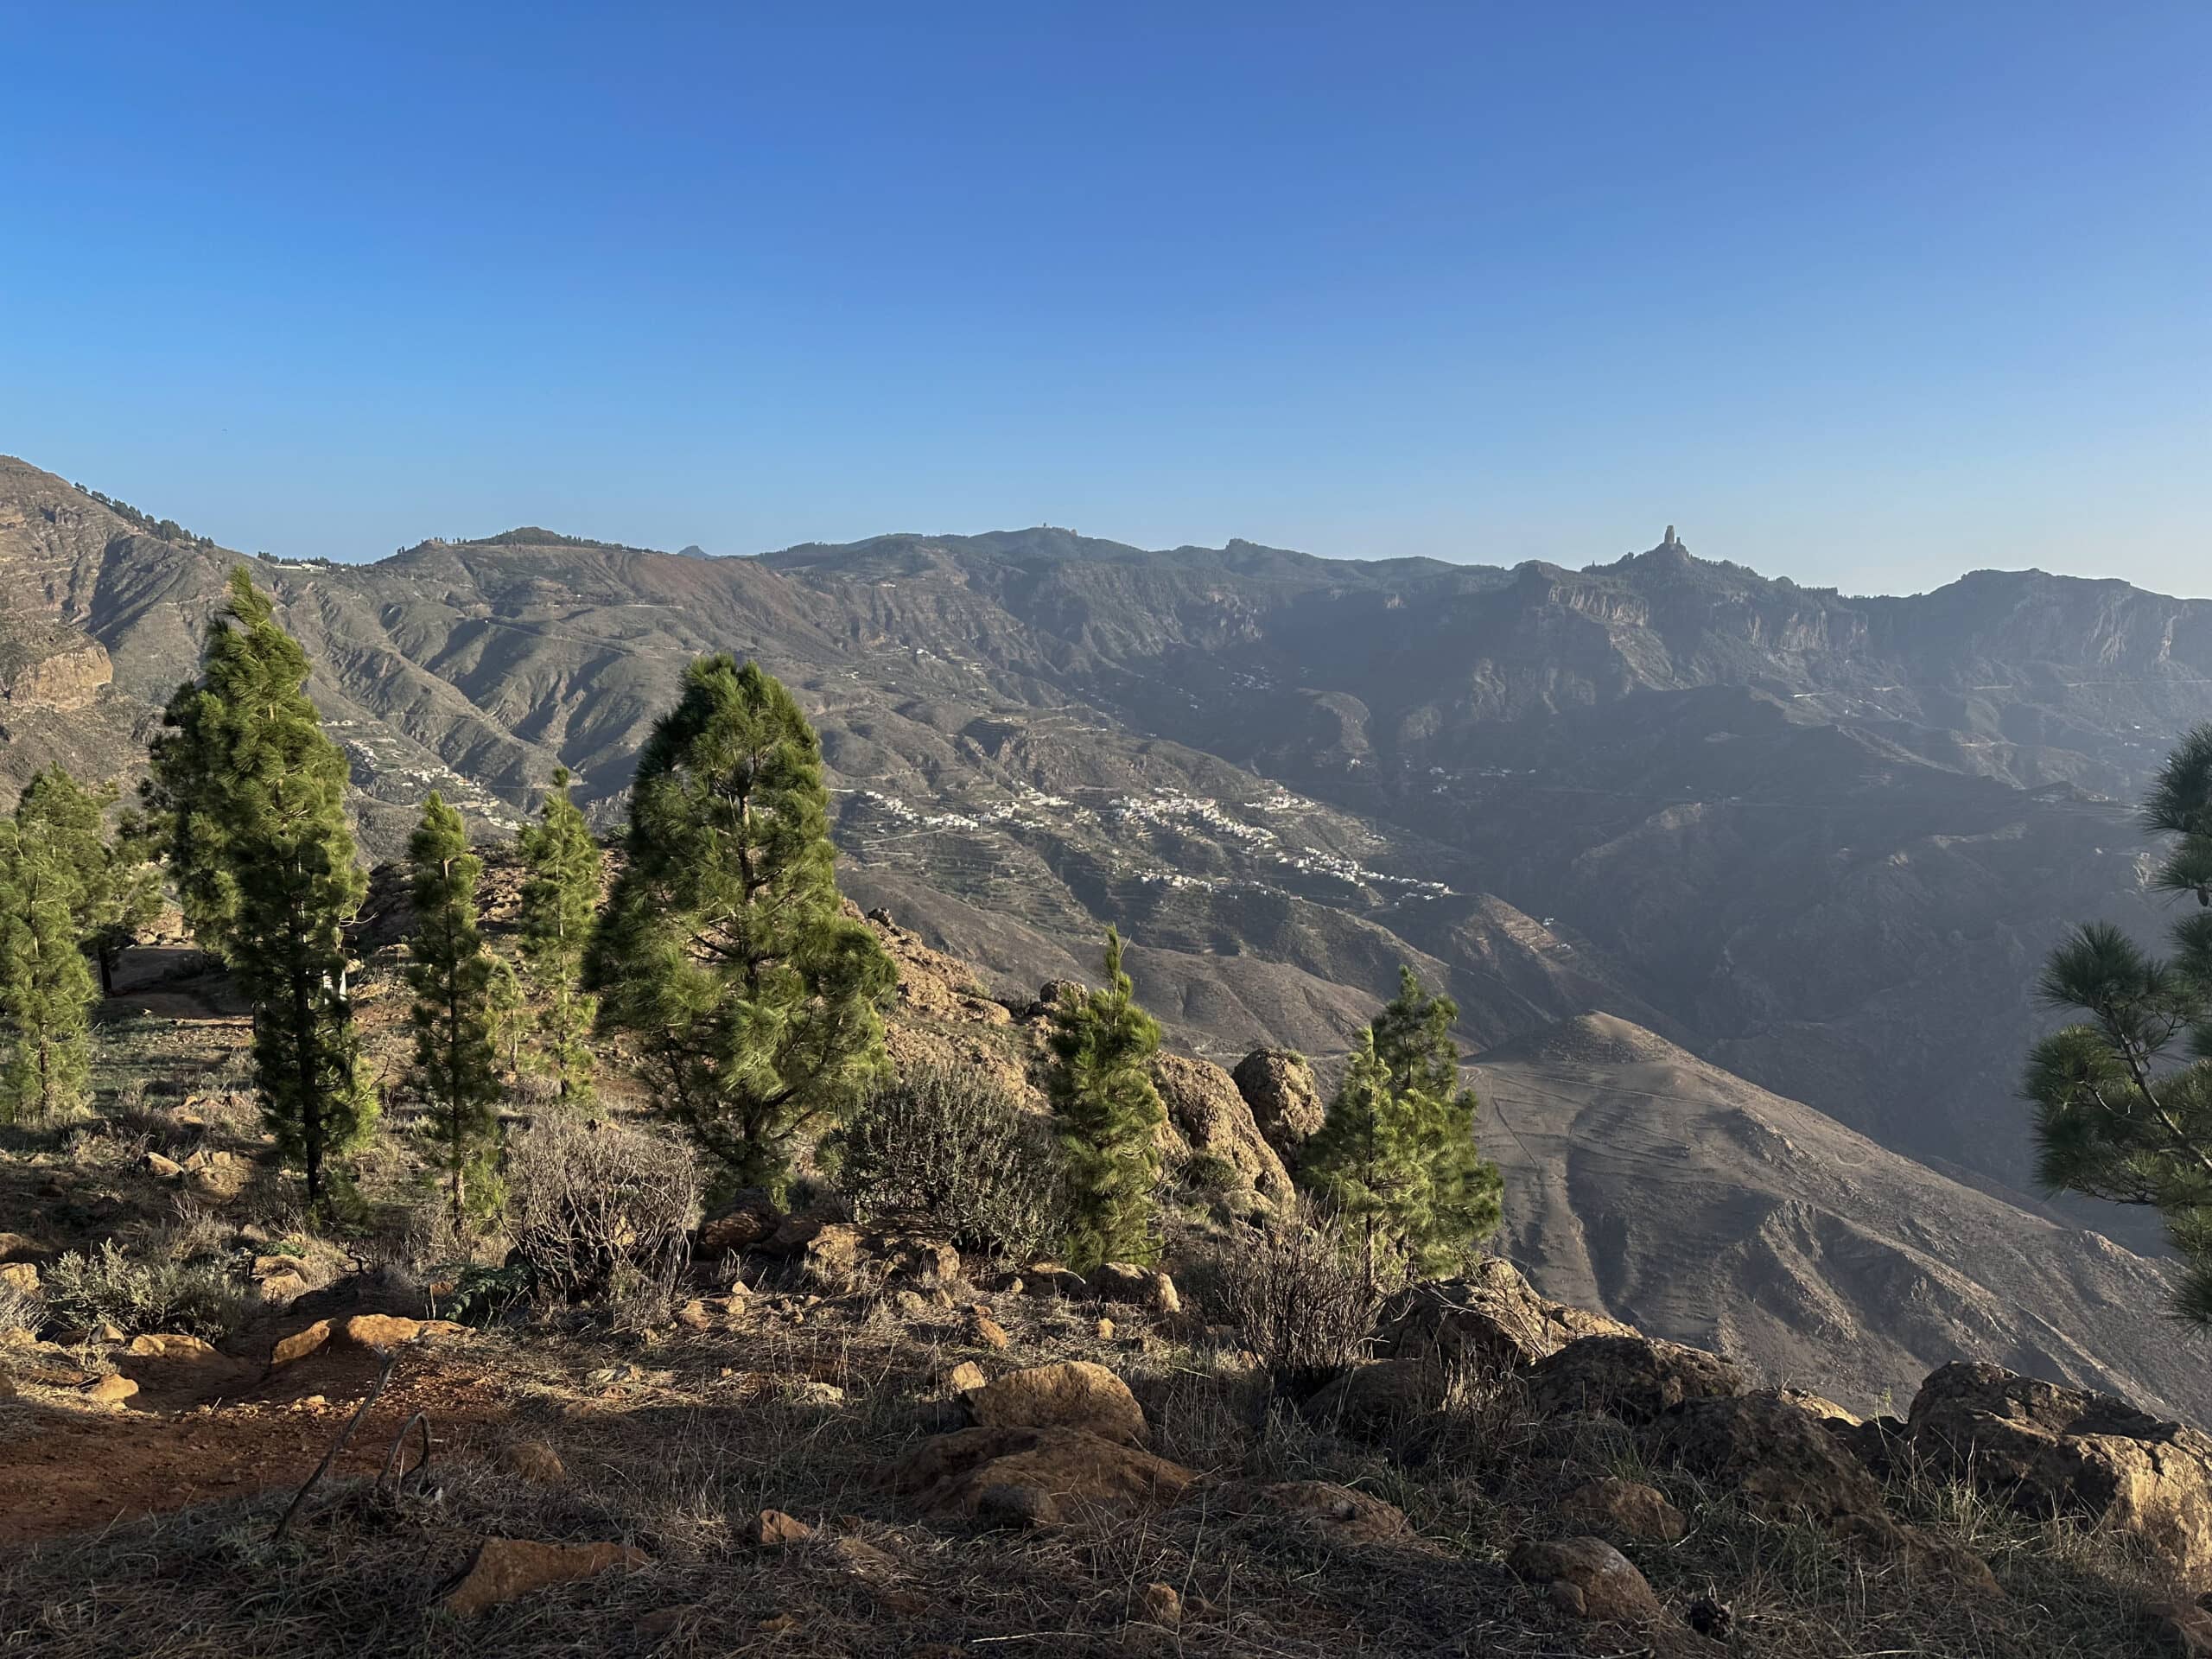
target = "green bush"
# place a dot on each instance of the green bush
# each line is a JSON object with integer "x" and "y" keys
{"x": 947, "y": 1152}
{"x": 107, "y": 1287}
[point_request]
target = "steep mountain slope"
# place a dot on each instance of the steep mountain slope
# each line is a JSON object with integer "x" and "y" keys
{"x": 1677, "y": 1197}
{"x": 1821, "y": 841}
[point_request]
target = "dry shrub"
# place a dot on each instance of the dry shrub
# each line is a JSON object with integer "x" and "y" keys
{"x": 21, "y": 1308}
{"x": 107, "y": 1287}
{"x": 944, "y": 1151}
{"x": 192, "y": 1233}
{"x": 601, "y": 1210}
{"x": 1297, "y": 1297}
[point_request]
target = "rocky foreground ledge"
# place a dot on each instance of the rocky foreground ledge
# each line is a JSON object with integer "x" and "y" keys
{"x": 854, "y": 1441}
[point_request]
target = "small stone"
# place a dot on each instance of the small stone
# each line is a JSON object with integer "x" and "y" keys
{"x": 1586, "y": 1578}
{"x": 1339, "y": 1512}
{"x": 112, "y": 1390}
{"x": 20, "y": 1277}
{"x": 507, "y": 1567}
{"x": 987, "y": 1332}
{"x": 167, "y": 1168}
{"x": 300, "y": 1344}
{"x": 535, "y": 1461}
{"x": 965, "y": 1376}
{"x": 864, "y": 1560}
{"x": 380, "y": 1333}
{"x": 1626, "y": 1509}
{"x": 694, "y": 1316}
{"x": 1162, "y": 1604}
{"x": 773, "y": 1530}
{"x": 1105, "y": 1330}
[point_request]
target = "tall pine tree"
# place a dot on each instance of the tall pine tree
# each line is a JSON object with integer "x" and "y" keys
{"x": 1397, "y": 1153}
{"x": 456, "y": 1070}
{"x": 1108, "y": 1116}
{"x": 724, "y": 949}
{"x": 251, "y": 794}
{"x": 1361, "y": 1163}
{"x": 47, "y": 988}
{"x": 2119, "y": 1113}
{"x": 559, "y": 901}
{"x": 117, "y": 888}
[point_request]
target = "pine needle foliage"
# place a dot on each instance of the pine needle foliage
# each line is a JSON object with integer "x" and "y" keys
{"x": 250, "y": 793}
{"x": 47, "y": 988}
{"x": 118, "y": 890}
{"x": 456, "y": 1070}
{"x": 724, "y": 951}
{"x": 2123, "y": 1099}
{"x": 1108, "y": 1115}
{"x": 1396, "y": 1157}
{"x": 559, "y": 900}
{"x": 511, "y": 1023}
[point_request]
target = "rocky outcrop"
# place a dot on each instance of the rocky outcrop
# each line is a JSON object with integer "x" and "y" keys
{"x": 1625, "y": 1511}
{"x": 1375, "y": 1402}
{"x": 1587, "y": 1578}
{"x": 839, "y": 1258}
{"x": 1206, "y": 1115}
{"x": 1337, "y": 1513}
{"x": 53, "y": 668}
{"x": 1012, "y": 1476}
{"x": 2049, "y": 1449}
{"x": 1631, "y": 1377}
{"x": 1781, "y": 1463}
{"x": 1126, "y": 1282}
{"x": 1073, "y": 1394}
{"x": 1491, "y": 1317}
{"x": 1278, "y": 1085}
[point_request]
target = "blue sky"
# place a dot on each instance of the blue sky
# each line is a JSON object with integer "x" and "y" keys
{"x": 1865, "y": 295}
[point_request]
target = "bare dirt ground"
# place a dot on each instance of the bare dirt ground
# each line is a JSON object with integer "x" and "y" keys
{"x": 202, "y": 1430}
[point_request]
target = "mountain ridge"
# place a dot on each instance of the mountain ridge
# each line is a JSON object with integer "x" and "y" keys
{"x": 1823, "y": 842}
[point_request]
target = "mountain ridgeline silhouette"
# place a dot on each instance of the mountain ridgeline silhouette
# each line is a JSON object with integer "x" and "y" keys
{"x": 1821, "y": 842}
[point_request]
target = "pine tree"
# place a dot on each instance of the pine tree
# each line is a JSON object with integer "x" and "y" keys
{"x": 456, "y": 1070}
{"x": 725, "y": 950}
{"x": 1359, "y": 1163}
{"x": 1108, "y": 1116}
{"x": 559, "y": 901}
{"x": 47, "y": 988}
{"x": 510, "y": 1021}
{"x": 2119, "y": 1113}
{"x": 1396, "y": 1154}
{"x": 117, "y": 889}
{"x": 251, "y": 797}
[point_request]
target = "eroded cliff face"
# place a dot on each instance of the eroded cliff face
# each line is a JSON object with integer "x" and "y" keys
{"x": 55, "y": 669}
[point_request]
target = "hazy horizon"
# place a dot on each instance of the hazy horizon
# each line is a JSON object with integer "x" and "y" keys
{"x": 1868, "y": 300}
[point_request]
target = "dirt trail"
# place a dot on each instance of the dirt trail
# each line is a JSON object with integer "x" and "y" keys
{"x": 67, "y": 1467}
